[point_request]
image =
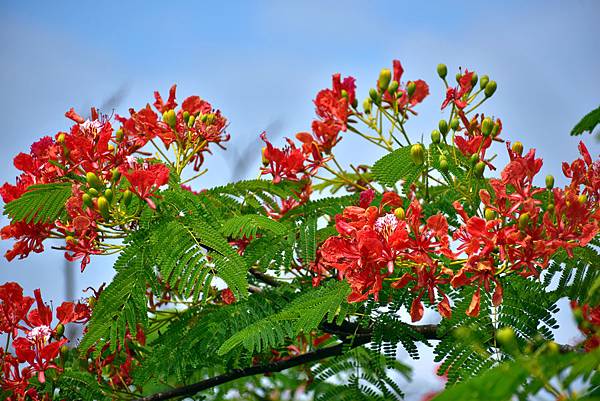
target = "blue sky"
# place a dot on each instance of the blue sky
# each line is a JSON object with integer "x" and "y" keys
{"x": 262, "y": 63}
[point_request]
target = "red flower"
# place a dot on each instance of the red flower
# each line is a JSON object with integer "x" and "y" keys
{"x": 145, "y": 179}
{"x": 13, "y": 307}
{"x": 455, "y": 95}
{"x": 69, "y": 312}
{"x": 284, "y": 163}
{"x": 402, "y": 99}
{"x": 227, "y": 296}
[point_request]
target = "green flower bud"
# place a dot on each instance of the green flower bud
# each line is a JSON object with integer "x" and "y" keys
{"x": 186, "y": 116}
{"x": 582, "y": 199}
{"x": 104, "y": 207}
{"x": 385, "y": 76}
{"x": 61, "y": 138}
{"x": 435, "y": 136}
{"x": 489, "y": 214}
{"x": 458, "y": 76}
{"x": 87, "y": 200}
{"x": 70, "y": 239}
{"x": 443, "y": 126}
{"x": 170, "y": 118}
{"x": 63, "y": 350}
{"x": 344, "y": 93}
{"x": 108, "y": 194}
{"x": 93, "y": 180}
{"x": 517, "y": 147}
{"x": 127, "y": 197}
{"x": 479, "y": 169}
{"x": 119, "y": 135}
{"x": 417, "y": 154}
{"x": 444, "y": 164}
{"x": 490, "y": 88}
{"x": 373, "y": 95}
{"x": 399, "y": 213}
{"x": 191, "y": 121}
{"x": 474, "y": 79}
{"x": 393, "y": 88}
{"x": 486, "y": 126}
{"x": 410, "y": 88}
{"x": 59, "y": 330}
{"x": 92, "y": 192}
{"x": 91, "y": 302}
{"x": 550, "y": 208}
{"x": 454, "y": 124}
{"x": 506, "y": 336}
{"x": 354, "y": 103}
{"x": 115, "y": 174}
{"x": 442, "y": 70}
{"x": 367, "y": 105}
{"x": 549, "y": 181}
{"x": 524, "y": 221}
{"x": 474, "y": 159}
{"x": 552, "y": 347}
{"x": 495, "y": 130}
{"x": 484, "y": 81}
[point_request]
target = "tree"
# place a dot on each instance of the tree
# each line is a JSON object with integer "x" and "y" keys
{"x": 259, "y": 290}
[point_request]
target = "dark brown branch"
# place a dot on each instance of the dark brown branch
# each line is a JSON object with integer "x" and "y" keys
{"x": 265, "y": 278}
{"x": 255, "y": 370}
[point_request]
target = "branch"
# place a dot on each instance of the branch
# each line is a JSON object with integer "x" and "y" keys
{"x": 265, "y": 278}
{"x": 256, "y": 370}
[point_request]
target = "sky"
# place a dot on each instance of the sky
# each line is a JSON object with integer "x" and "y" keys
{"x": 263, "y": 62}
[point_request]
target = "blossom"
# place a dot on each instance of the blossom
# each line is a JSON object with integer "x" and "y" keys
{"x": 403, "y": 101}
{"x": 286, "y": 163}
{"x": 13, "y": 307}
{"x": 145, "y": 178}
{"x": 227, "y": 296}
{"x": 456, "y": 95}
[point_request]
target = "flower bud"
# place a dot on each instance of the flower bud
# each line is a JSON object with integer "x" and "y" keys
{"x": 354, "y": 103}
{"x": 385, "y": 77}
{"x": 435, "y": 136}
{"x": 367, "y": 105}
{"x": 127, "y": 197}
{"x": 344, "y": 93}
{"x": 489, "y": 214}
{"x": 474, "y": 159}
{"x": 93, "y": 180}
{"x": 552, "y": 347}
{"x": 410, "y": 88}
{"x": 486, "y": 126}
{"x": 444, "y": 164}
{"x": 479, "y": 169}
{"x": 373, "y": 95}
{"x": 108, "y": 194}
{"x": 63, "y": 350}
{"x": 399, "y": 213}
{"x": 186, "y": 116}
{"x": 454, "y": 124}
{"x": 417, "y": 154}
{"x": 92, "y": 302}
{"x": 110, "y": 147}
{"x": 61, "y": 138}
{"x": 517, "y": 147}
{"x": 474, "y": 79}
{"x": 582, "y": 199}
{"x": 103, "y": 207}
{"x": 210, "y": 118}
{"x": 393, "y": 87}
{"x": 490, "y": 88}
{"x": 506, "y": 336}
{"x": 524, "y": 221}
{"x": 550, "y": 208}
{"x": 458, "y": 76}
{"x": 264, "y": 159}
{"x": 191, "y": 121}
{"x": 442, "y": 70}
{"x": 549, "y": 181}
{"x": 443, "y": 126}
{"x": 495, "y": 130}
{"x": 484, "y": 81}
{"x": 92, "y": 192}
{"x": 87, "y": 200}
{"x": 59, "y": 330}
{"x": 170, "y": 118}
{"x": 115, "y": 174}
{"x": 70, "y": 239}
{"x": 119, "y": 135}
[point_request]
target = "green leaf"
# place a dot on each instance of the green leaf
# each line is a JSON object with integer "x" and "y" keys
{"x": 43, "y": 203}
{"x": 396, "y": 166}
{"x": 247, "y": 225}
{"x": 587, "y": 123}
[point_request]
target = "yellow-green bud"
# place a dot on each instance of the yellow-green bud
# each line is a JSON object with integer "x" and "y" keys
{"x": 93, "y": 180}
{"x": 127, "y": 197}
{"x": 393, "y": 87}
{"x": 435, "y": 136}
{"x": 344, "y": 93}
{"x": 115, "y": 174}
{"x": 417, "y": 154}
{"x": 373, "y": 95}
{"x": 479, "y": 169}
{"x": 486, "y": 126}
{"x": 70, "y": 239}
{"x": 87, "y": 200}
{"x": 91, "y": 302}
{"x": 367, "y": 105}
{"x": 108, "y": 194}
{"x": 63, "y": 350}
{"x": 61, "y": 138}
{"x": 552, "y": 347}
{"x": 59, "y": 330}
{"x": 92, "y": 192}
{"x": 524, "y": 221}
{"x": 549, "y": 181}
{"x": 191, "y": 121}
{"x": 495, "y": 130}
{"x": 442, "y": 70}
{"x": 454, "y": 124}
{"x": 443, "y": 164}
{"x": 410, "y": 88}
{"x": 490, "y": 88}
{"x": 551, "y": 208}
{"x": 517, "y": 147}
{"x": 582, "y": 199}
{"x": 458, "y": 76}
{"x": 170, "y": 118}
{"x": 474, "y": 79}
{"x": 399, "y": 213}
{"x": 119, "y": 135}
{"x": 489, "y": 214}
{"x": 103, "y": 207}
{"x": 443, "y": 126}
{"x": 484, "y": 81}
{"x": 385, "y": 76}
{"x": 264, "y": 159}
{"x": 186, "y": 116}
{"x": 474, "y": 159}
{"x": 506, "y": 336}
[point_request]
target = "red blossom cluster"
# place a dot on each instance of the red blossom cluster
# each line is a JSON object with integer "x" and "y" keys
{"x": 404, "y": 96}
{"x": 477, "y": 135}
{"x": 588, "y": 321}
{"x": 36, "y": 340}
{"x": 105, "y": 169}
{"x": 517, "y": 235}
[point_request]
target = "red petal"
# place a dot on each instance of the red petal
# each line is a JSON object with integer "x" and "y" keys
{"x": 473, "y": 309}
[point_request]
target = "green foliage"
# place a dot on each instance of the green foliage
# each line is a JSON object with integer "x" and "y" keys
{"x": 397, "y": 166}
{"x": 43, "y": 203}
{"x": 587, "y": 123}
{"x": 303, "y": 314}
{"x": 76, "y": 385}
{"x": 247, "y": 225}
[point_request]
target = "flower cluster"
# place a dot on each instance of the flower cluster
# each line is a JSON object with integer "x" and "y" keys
{"x": 106, "y": 168}
{"x": 588, "y": 321}
{"x": 36, "y": 340}
{"x": 516, "y": 235}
